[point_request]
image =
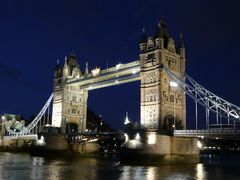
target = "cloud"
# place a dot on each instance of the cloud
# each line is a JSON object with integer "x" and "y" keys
{"x": 9, "y": 73}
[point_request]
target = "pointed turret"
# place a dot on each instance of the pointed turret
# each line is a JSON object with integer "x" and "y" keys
{"x": 65, "y": 68}
{"x": 181, "y": 42}
{"x": 143, "y": 41}
{"x": 162, "y": 35}
{"x": 144, "y": 37}
{"x": 181, "y": 51}
{"x": 162, "y": 31}
{"x": 181, "y": 47}
{"x": 57, "y": 65}
{"x": 126, "y": 119}
{"x": 86, "y": 70}
{"x": 58, "y": 69}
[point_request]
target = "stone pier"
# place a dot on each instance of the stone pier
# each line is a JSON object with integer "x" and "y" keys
{"x": 157, "y": 148}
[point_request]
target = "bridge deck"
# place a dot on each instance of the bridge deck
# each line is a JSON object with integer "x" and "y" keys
{"x": 208, "y": 133}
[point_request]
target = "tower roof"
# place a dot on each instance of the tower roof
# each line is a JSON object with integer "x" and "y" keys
{"x": 162, "y": 31}
{"x": 72, "y": 60}
{"x": 57, "y": 67}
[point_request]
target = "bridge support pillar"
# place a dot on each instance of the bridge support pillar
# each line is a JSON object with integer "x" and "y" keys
{"x": 161, "y": 148}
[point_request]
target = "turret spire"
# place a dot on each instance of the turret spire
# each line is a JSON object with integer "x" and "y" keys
{"x": 162, "y": 30}
{"x": 143, "y": 38}
{"x": 181, "y": 42}
{"x": 86, "y": 70}
{"x": 126, "y": 119}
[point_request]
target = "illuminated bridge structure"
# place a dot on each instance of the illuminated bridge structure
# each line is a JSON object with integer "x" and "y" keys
{"x": 164, "y": 86}
{"x": 131, "y": 72}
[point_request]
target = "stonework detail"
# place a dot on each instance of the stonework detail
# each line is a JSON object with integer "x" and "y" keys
{"x": 70, "y": 101}
{"x": 158, "y": 98}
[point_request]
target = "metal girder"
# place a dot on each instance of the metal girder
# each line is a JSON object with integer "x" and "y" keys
{"x": 28, "y": 129}
{"x": 205, "y": 97}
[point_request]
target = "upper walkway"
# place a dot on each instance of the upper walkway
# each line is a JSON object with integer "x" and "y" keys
{"x": 121, "y": 73}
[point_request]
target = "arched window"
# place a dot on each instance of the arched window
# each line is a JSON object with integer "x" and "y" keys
{"x": 151, "y": 98}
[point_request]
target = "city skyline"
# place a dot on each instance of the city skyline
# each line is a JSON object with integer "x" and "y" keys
{"x": 34, "y": 37}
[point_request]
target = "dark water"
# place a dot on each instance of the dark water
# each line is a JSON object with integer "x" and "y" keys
{"x": 23, "y": 166}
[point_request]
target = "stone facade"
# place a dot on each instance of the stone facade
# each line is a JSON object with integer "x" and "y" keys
{"x": 160, "y": 102}
{"x": 70, "y": 101}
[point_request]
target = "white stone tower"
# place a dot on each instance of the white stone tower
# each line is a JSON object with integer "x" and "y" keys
{"x": 162, "y": 106}
{"x": 70, "y": 101}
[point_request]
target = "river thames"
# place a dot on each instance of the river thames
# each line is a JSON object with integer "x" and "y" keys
{"x": 14, "y": 166}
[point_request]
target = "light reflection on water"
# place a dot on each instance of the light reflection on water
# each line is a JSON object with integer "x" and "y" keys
{"x": 23, "y": 166}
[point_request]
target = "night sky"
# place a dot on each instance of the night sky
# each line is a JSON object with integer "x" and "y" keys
{"x": 34, "y": 34}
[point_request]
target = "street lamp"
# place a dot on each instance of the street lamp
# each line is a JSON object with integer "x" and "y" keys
{"x": 174, "y": 85}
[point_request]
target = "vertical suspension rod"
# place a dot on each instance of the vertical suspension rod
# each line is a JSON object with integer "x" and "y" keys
{"x": 207, "y": 113}
{"x": 196, "y": 109}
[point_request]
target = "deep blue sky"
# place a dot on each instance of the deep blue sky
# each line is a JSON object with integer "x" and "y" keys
{"x": 34, "y": 34}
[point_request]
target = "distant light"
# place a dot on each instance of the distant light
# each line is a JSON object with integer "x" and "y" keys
{"x": 118, "y": 66}
{"x": 116, "y": 81}
{"x": 41, "y": 141}
{"x": 86, "y": 130}
{"x": 126, "y": 137}
{"x": 137, "y": 137}
{"x": 152, "y": 138}
{"x": 3, "y": 118}
{"x": 93, "y": 140}
{"x": 134, "y": 72}
{"x": 199, "y": 145}
{"x": 173, "y": 84}
{"x": 96, "y": 72}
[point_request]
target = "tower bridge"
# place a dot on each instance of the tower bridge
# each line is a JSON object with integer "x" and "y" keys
{"x": 164, "y": 85}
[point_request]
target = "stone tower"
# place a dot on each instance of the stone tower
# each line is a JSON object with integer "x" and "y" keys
{"x": 69, "y": 101}
{"x": 162, "y": 106}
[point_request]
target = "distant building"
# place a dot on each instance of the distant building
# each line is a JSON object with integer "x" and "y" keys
{"x": 13, "y": 121}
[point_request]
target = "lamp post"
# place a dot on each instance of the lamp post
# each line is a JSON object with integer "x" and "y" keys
{"x": 174, "y": 85}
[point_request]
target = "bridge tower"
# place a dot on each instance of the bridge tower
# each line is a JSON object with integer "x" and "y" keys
{"x": 69, "y": 101}
{"x": 162, "y": 106}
